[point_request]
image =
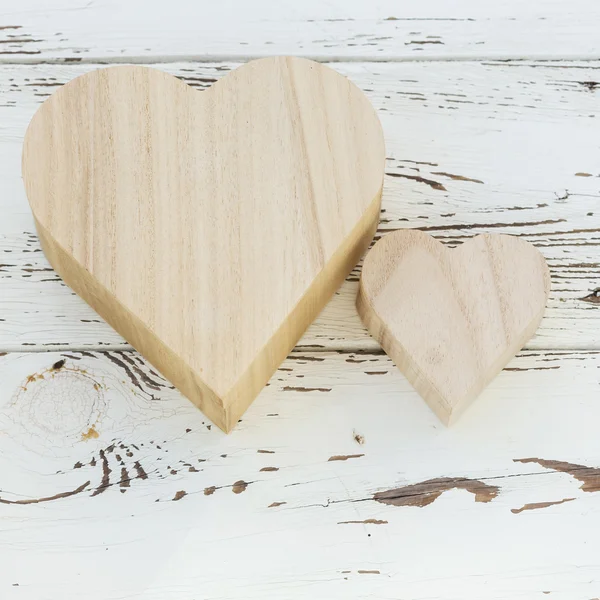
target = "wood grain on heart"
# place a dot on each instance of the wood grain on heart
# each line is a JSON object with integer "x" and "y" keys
{"x": 209, "y": 228}
{"x": 451, "y": 319}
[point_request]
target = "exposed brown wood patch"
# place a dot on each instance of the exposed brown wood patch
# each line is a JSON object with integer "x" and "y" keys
{"x": 365, "y": 522}
{"x": 50, "y": 372}
{"x": 531, "y": 368}
{"x": 106, "y": 470}
{"x": 289, "y": 388}
{"x": 424, "y": 493}
{"x": 461, "y": 226}
{"x": 270, "y": 469}
{"x": 368, "y": 572}
{"x": 589, "y": 476}
{"x": 422, "y": 42}
{"x": 80, "y": 489}
{"x": 593, "y": 297}
{"x": 209, "y": 491}
{"x": 436, "y": 185}
{"x": 90, "y": 434}
{"x": 121, "y": 363}
{"x": 239, "y": 486}
{"x": 343, "y": 457}
{"x": 141, "y": 474}
{"x": 537, "y": 505}
{"x": 179, "y": 495}
{"x": 24, "y": 52}
{"x": 124, "y": 483}
{"x": 120, "y": 453}
{"x": 275, "y": 504}
{"x": 456, "y": 177}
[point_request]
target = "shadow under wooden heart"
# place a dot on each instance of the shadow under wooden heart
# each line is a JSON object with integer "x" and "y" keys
{"x": 209, "y": 229}
{"x": 451, "y": 319}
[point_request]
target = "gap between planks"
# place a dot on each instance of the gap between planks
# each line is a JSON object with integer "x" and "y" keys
{"x": 301, "y": 349}
{"x": 309, "y": 348}
{"x": 30, "y": 60}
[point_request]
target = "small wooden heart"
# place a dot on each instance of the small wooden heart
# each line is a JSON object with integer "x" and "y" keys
{"x": 451, "y": 319}
{"x": 209, "y": 228}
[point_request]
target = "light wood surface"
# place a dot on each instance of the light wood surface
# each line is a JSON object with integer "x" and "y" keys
{"x": 451, "y": 319}
{"x": 474, "y": 145}
{"x": 208, "y": 229}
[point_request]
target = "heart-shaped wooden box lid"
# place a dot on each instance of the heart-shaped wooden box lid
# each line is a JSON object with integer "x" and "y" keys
{"x": 451, "y": 319}
{"x": 209, "y": 228}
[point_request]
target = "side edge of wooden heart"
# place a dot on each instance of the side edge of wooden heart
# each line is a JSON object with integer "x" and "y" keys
{"x": 222, "y": 411}
{"x": 402, "y": 359}
{"x": 78, "y": 278}
{"x": 321, "y": 290}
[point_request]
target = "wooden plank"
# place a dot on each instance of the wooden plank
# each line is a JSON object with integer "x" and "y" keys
{"x": 472, "y": 148}
{"x": 77, "y": 30}
{"x": 339, "y": 476}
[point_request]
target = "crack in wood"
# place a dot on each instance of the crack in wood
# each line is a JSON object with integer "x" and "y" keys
{"x": 456, "y": 177}
{"x": 343, "y": 457}
{"x": 430, "y": 182}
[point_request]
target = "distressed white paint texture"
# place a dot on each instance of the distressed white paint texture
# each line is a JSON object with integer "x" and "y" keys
{"x": 375, "y": 30}
{"x": 474, "y": 145}
{"x": 221, "y": 544}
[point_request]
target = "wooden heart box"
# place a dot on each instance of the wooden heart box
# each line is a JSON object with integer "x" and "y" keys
{"x": 209, "y": 229}
{"x": 451, "y": 319}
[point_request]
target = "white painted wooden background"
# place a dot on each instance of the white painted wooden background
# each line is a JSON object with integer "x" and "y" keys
{"x": 338, "y": 482}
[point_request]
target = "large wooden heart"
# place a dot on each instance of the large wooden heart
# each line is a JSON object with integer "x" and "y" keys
{"x": 451, "y": 319}
{"x": 209, "y": 229}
